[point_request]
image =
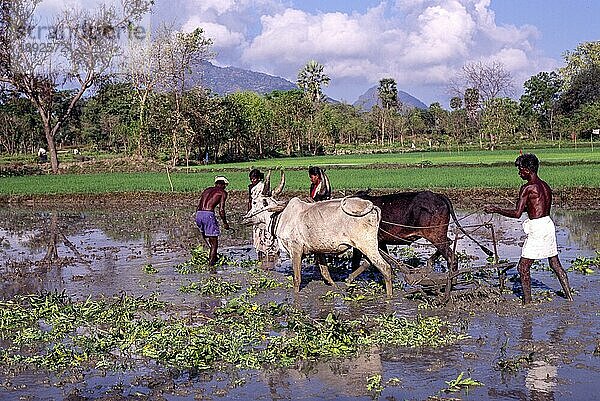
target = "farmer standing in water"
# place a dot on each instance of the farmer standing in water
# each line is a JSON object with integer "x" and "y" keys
{"x": 205, "y": 215}
{"x": 535, "y": 198}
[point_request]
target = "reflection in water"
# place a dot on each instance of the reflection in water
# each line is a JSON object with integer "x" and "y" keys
{"x": 342, "y": 378}
{"x": 67, "y": 244}
{"x": 542, "y": 374}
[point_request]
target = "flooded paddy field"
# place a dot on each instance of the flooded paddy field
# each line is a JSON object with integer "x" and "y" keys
{"x": 140, "y": 255}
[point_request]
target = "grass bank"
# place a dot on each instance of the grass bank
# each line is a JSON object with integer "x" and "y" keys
{"x": 547, "y": 157}
{"x": 406, "y": 178}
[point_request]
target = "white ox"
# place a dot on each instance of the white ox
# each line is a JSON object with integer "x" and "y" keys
{"x": 331, "y": 226}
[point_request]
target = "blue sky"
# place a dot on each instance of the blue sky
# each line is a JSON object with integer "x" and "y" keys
{"x": 422, "y": 44}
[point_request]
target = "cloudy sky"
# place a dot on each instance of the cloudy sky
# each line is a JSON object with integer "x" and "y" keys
{"x": 419, "y": 43}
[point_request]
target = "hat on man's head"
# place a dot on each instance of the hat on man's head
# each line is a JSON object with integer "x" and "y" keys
{"x": 221, "y": 178}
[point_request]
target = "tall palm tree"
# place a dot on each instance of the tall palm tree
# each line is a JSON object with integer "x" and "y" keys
{"x": 388, "y": 96}
{"x": 310, "y": 79}
{"x": 388, "y": 93}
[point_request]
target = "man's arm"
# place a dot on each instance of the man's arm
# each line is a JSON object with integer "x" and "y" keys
{"x": 519, "y": 208}
{"x": 222, "y": 210}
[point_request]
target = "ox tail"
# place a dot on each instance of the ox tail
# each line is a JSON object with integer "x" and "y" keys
{"x": 484, "y": 248}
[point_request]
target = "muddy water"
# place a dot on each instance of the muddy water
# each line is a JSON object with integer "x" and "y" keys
{"x": 102, "y": 252}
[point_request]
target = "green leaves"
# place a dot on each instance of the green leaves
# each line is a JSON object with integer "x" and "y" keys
{"x": 585, "y": 265}
{"x": 461, "y": 382}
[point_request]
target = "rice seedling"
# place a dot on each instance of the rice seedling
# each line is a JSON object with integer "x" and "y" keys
{"x": 512, "y": 365}
{"x": 50, "y": 331}
{"x": 460, "y": 383}
{"x": 585, "y": 265}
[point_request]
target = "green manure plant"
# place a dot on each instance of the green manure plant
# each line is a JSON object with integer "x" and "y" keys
{"x": 420, "y": 332}
{"x": 460, "y": 383}
{"x": 149, "y": 269}
{"x": 198, "y": 262}
{"x": 212, "y": 286}
{"x": 50, "y": 331}
{"x": 357, "y": 291}
{"x": 585, "y": 265}
{"x": 513, "y": 365}
{"x": 374, "y": 384}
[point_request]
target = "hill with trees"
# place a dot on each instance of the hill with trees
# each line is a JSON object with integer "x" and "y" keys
{"x": 227, "y": 80}
{"x": 370, "y": 98}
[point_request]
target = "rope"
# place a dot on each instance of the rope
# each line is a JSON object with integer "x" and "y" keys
{"x": 439, "y": 225}
{"x": 432, "y": 243}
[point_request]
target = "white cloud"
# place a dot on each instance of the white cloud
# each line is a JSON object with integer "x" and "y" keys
{"x": 417, "y": 42}
{"x": 218, "y": 6}
{"x": 221, "y": 35}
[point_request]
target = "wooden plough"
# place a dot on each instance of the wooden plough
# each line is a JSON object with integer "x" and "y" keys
{"x": 464, "y": 281}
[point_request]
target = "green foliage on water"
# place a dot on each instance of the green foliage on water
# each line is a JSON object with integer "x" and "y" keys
{"x": 585, "y": 265}
{"x": 461, "y": 382}
{"x": 51, "y": 331}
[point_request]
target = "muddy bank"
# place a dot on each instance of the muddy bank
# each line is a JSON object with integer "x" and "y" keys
{"x": 476, "y": 198}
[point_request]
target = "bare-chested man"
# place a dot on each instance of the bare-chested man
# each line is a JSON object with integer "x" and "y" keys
{"x": 205, "y": 215}
{"x": 535, "y": 198}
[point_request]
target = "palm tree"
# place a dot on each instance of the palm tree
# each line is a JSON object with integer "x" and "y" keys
{"x": 388, "y": 96}
{"x": 388, "y": 93}
{"x": 310, "y": 79}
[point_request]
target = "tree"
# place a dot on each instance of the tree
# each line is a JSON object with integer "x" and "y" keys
{"x": 587, "y": 118}
{"x": 109, "y": 117}
{"x": 499, "y": 119}
{"x": 258, "y": 116}
{"x": 387, "y": 92}
{"x": 291, "y": 111}
{"x": 20, "y": 126}
{"x": 540, "y": 97}
{"x": 490, "y": 79}
{"x": 437, "y": 118}
{"x": 311, "y": 78}
{"x": 180, "y": 55}
{"x": 80, "y": 49}
{"x": 472, "y": 106}
{"x": 584, "y": 56}
{"x": 583, "y": 88}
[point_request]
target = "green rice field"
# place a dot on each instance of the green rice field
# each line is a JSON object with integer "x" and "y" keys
{"x": 576, "y": 175}
{"x": 547, "y": 156}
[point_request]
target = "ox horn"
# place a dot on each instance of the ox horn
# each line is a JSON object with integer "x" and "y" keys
{"x": 267, "y": 185}
{"x": 281, "y": 185}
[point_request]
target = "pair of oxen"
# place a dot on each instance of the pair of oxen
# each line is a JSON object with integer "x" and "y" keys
{"x": 363, "y": 222}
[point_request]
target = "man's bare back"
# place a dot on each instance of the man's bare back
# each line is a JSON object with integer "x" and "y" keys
{"x": 211, "y": 197}
{"x": 209, "y": 200}
{"x": 537, "y": 196}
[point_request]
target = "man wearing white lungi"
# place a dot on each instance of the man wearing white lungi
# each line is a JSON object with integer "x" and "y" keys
{"x": 535, "y": 198}
{"x": 267, "y": 248}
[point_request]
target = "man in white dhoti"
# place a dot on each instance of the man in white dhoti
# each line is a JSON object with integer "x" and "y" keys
{"x": 267, "y": 248}
{"x": 535, "y": 197}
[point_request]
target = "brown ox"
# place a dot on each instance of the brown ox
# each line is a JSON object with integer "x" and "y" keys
{"x": 408, "y": 216}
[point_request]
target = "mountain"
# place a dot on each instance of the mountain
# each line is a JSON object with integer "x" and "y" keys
{"x": 225, "y": 80}
{"x": 370, "y": 98}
